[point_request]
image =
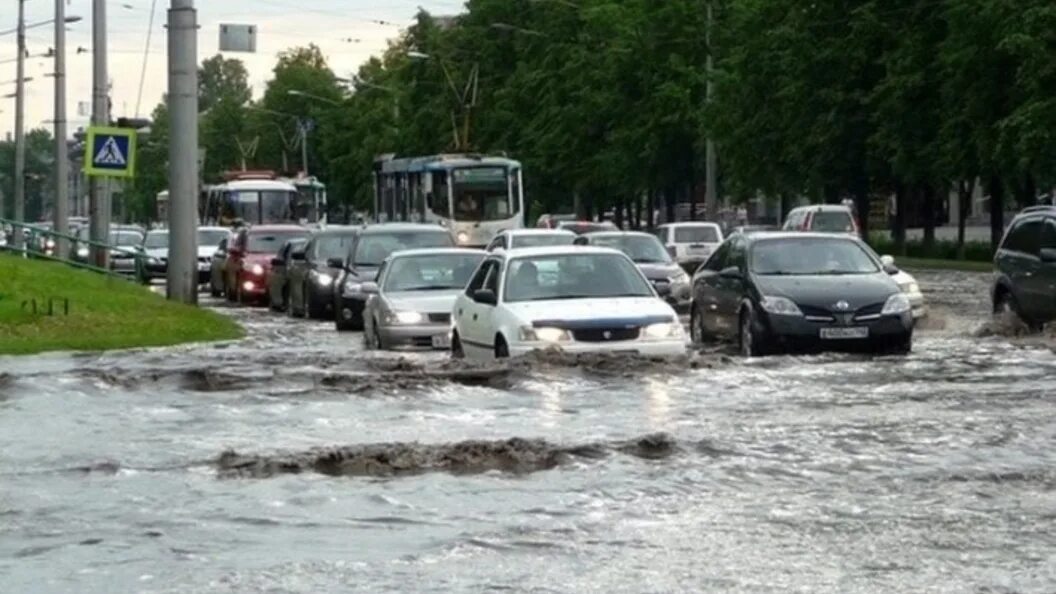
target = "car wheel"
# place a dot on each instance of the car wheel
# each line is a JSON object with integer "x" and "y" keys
{"x": 457, "y": 352}
{"x": 355, "y": 322}
{"x": 749, "y": 340}
{"x": 502, "y": 350}
{"x": 311, "y": 306}
{"x": 903, "y": 346}
{"x": 696, "y": 326}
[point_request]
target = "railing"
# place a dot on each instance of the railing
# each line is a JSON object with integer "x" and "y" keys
{"x": 30, "y": 248}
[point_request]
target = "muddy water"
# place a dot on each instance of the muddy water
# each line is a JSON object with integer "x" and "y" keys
{"x": 293, "y": 462}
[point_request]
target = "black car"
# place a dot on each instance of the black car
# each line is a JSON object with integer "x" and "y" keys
{"x": 799, "y": 291}
{"x": 1025, "y": 267}
{"x": 369, "y": 249}
{"x": 669, "y": 279}
{"x": 278, "y": 280}
{"x": 311, "y": 276}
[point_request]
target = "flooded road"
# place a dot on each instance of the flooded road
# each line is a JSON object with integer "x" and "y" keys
{"x": 294, "y": 462}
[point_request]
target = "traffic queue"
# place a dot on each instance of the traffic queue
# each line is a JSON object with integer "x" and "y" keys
{"x": 576, "y": 288}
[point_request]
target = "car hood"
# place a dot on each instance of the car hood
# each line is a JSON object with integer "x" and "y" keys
{"x": 655, "y": 272}
{"x": 613, "y": 310}
{"x": 423, "y": 301}
{"x": 858, "y": 290}
{"x": 158, "y": 253}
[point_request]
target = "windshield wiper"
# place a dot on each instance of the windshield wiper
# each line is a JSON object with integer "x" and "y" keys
{"x": 649, "y": 261}
{"x": 430, "y": 288}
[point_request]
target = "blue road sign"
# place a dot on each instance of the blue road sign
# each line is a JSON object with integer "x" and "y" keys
{"x": 110, "y": 152}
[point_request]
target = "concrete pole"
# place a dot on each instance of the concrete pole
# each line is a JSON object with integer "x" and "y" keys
{"x": 98, "y": 202}
{"x": 303, "y": 125}
{"x": 20, "y": 125}
{"x": 62, "y": 176}
{"x": 711, "y": 209}
{"x": 183, "y": 152}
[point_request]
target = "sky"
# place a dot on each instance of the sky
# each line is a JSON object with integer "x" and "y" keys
{"x": 345, "y": 30}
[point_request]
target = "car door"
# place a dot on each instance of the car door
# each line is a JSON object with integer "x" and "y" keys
{"x": 729, "y": 289}
{"x": 1020, "y": 258}
{"x": 1046, "y": 277}
{"x": 473, "y": 316}
{"x": 706, "y": 290}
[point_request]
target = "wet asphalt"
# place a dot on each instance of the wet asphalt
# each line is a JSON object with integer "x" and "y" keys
{"x": 292, "y": 461}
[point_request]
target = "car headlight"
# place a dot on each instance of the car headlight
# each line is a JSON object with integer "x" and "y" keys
{"x": 82, "y": 252}
{"x": 405, "y": 317}
{"x": 50, "y": 244}
{"x": 545, "y": 334}
{"x": 680, "y": 278}
{"x": 910, "y": 288}
{"x": 322, "y": 279}
{"x": 780, "y": 306}
{"x": 254, "y": 269}
{"x": 896, "y": 304}
{"x": 462, "y": 237}
{"x": 663, "y": 330}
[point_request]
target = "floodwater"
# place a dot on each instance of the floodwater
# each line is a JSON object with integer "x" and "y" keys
{"x": 293, "y": 462}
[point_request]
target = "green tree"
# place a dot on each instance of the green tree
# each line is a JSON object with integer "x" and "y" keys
{"x": 222, "y": 79}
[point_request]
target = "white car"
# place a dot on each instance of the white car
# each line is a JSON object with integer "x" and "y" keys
{"x": 523, "y": 238}
{"x": 576, "y": 299}
{"x": 690, "y": 243}
{"x": 909, "y": 287}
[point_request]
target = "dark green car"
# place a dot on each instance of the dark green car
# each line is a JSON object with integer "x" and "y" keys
{"x": 1025, "y": 267}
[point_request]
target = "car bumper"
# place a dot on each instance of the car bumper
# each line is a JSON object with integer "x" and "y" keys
{"x": 352, "y": 307}
{"x": 123, "y": 266}
{"x": 796, "y": 331}
{"x": 916, "y": 302}
{"x": 430, "y": 336}
{"x": 645, "y": 348}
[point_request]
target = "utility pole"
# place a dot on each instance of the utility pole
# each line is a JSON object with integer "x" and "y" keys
{"x": 62, "y": 199}
{"x": 20, "y": 125}
{"x": 98, "y": 197}
{"x": 303, "y": 125}
{"x": 710, "y": 195}
{"x": 183, "y": 152}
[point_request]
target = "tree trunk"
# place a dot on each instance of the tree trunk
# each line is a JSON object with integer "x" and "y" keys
{"x": 618, "y": 212}
{"x": 692, "y": 195}
{"x": 996, "y": 188}
{"x": 898, "y": 230}
{"x": 964, "y": 196}
{"x": 651, "y": 208}
{"x": 670, "y": 197}
{"x": 637, "y": 212}
{"x": 861, "y": 205}
{"x": 928, "y": 204}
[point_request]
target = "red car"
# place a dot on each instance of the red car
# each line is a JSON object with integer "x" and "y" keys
{"x": 248, "y": 262}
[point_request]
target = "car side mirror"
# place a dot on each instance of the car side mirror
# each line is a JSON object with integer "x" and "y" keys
{"x": 369, "y": 288}
{"x": 1048, "y": 255}
{"x": 335, "y": 263}
{"x": 276, "y": 262}
{"x": 485, "y": 296}
{"x": 887, "y": 260}
{"x": 731, "y": 273}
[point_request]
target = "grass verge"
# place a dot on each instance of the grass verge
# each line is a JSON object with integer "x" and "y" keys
{"x": 937, "y": 264}
{"x": 105, "y": 313}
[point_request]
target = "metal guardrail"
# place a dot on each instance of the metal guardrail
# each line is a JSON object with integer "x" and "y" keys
{"x": 31, "y": 232}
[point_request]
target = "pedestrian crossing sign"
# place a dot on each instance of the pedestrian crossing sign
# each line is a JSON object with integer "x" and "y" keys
{"x": 110, "y": 152}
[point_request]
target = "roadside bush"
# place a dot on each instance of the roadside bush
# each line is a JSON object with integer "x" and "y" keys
{"x": 976, "y": 251}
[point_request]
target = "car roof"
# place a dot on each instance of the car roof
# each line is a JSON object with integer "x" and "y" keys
{"x": 824, "y": 208}
{"x": 556, "y": 250}
{"x": 259, "y": 184}
{"x": 765, "y": 235}
{"x": 275, "y": 228}
{"x": 691, "y": 224}
{"x": 538, "y": 232}
{"x": 387, "y": 227}
{"x": 436, "y": 252}
{"x": 619, "y": 234}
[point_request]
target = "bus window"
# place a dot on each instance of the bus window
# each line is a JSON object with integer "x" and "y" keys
{"x": 439, "y": 201}
{"x": 483, "y": 194}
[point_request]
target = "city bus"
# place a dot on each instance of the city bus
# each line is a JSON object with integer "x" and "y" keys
{"x": 474, "y": 196}
{"x": 261, "y": 198}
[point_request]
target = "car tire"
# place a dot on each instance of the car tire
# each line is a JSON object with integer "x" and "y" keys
{"x": 1006, "y": 303}
{"x": 502, "y": 350}
{"x": 457, "y": 352}
{"x": 697, "y": 333}
{"x": 903, "y": 346}
{"x": 748, "y": 338}
{"x": 311, "y": 307}
{"x": 343, "y": 325}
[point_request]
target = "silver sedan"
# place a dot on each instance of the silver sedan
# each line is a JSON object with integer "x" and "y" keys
{"x": 410, "y": 304}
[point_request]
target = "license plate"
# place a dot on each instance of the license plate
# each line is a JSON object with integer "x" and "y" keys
{"x": 698, "y": 249}
{"x": 442, "y": 341}
{"x": 844, "y": 333}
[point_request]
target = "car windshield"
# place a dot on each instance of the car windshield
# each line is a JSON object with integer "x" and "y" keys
{"x": 211, "y": 237}
{"x": 541, "y": 240}
{"x": 269, "y": 243}
{"x": 832, "y": 222}
{"x": 814, "y": 256}
{"x": 697, "y": 234}
{"x": 643, "y": 249}
{"x": 373, "y": 248}
{"x": 431, "y": 272}
{"x": 574, "y": 276}
{"x": 483, "y": 194}
{"x": 333, "y": 246}
{"x": 156, "y": 240}
{"x": 125, "y": 238}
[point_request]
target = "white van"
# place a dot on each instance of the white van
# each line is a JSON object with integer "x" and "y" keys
{"x": 690, "y": 243}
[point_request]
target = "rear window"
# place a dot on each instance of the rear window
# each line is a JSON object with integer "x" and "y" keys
{"x": 373, "y": 248}
{"x": 832, "y": 222}
{"x": 697, "y": 235}
{"x": 269, "y": 243}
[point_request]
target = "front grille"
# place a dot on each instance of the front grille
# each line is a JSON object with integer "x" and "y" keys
{"x": 815, "y": 312}
{"x": 422, "y": 341}
{"x": 440, "y": 318}
{"x": 870, "y": 310}
{"x": 605, "y": 334}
